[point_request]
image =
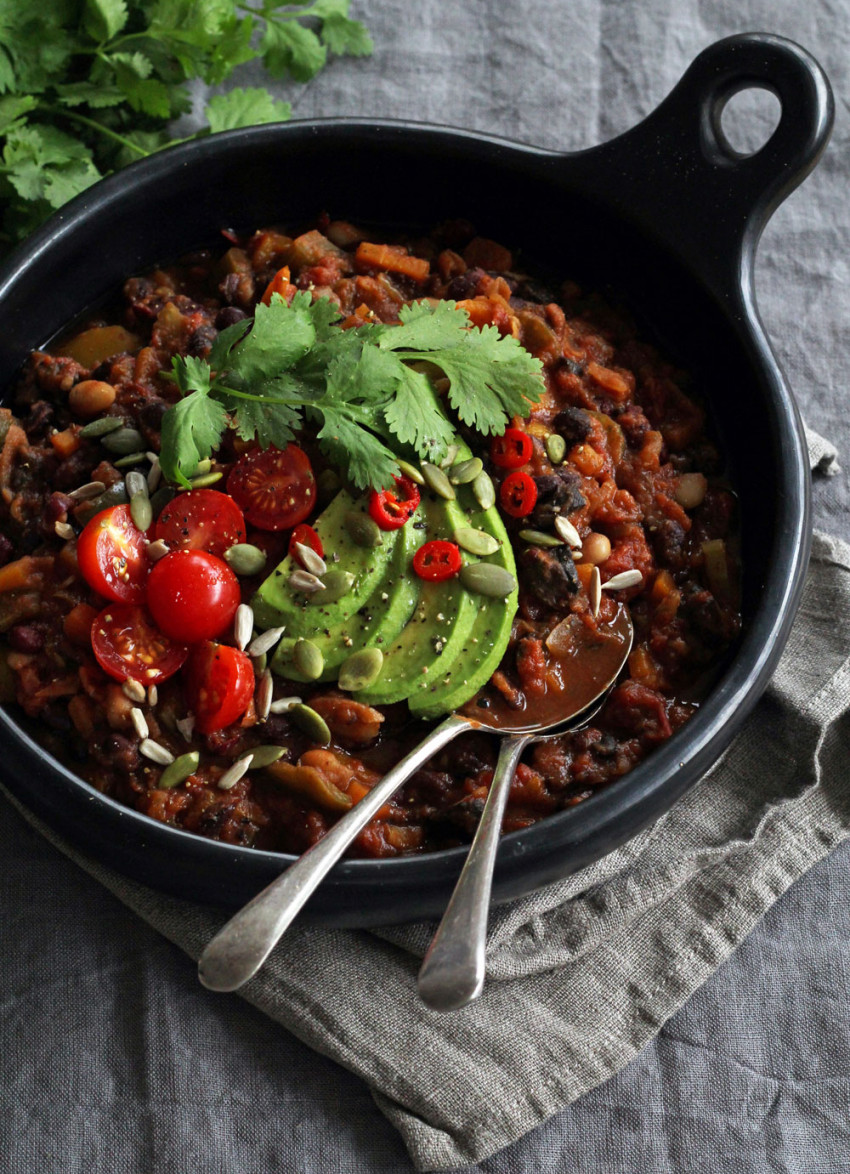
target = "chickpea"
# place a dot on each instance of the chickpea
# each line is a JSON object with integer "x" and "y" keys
{"x": 91, "y": 397}
{"x": 690, "y": 492}
{"x": 595, "y": 549}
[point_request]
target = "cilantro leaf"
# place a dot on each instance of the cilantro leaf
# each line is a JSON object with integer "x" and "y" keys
{"x": 192, "y": 428}
{"x": 245, "y": 107}
{"x": 415, "y": 418}
{"x": 103, "y": 19}
{"x": 291, "y": 48}
{"x": 426, "y": 327}
{"x": 281, "y": 335}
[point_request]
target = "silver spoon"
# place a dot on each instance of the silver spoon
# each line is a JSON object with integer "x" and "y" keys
{"x": 243, "y": 944}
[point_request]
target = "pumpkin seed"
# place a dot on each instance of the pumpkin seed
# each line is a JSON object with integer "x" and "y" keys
{"x": 484, "y": 490}
{"x": 133, "y": 689}
{"x": 139, "y": 721}
{"x": 623, "y": 580}
{"x": 594, "y": 591}
{"x": 488, "y": 579}
{"x": 567, "y": 531}
{"x": 158, "y": 550}
{"x": 311, "y": 723}
{"x": 114, "y": 495}
{"x": 205, "y": 480}
{"x": 364, "y": 530}
{"x": 161, "y": 498}
{"x": 245, "y": 558}
{"x": 179, "y": 770}
{"x": 284, "y": 704}
{"x": 65, "y": 531}
{"x": 412, "y": 472}
{"x": 102, "y": 427}
{"x": 476, "y": 541}
{"x": 141, "y": 511}
{"x": 437, "y": 481}
{"x": 263, "y": 756}
{"x": 327, "y": 483}
{"x": 265, "y": 691}
{"x": 312, "y": 562}
{"x": 450, "y": 457}
{"x": 133, "y": 458}
{"x": 556, "y": 448}
{"x": 234, "y": 773}
{"x": 136, "y": 485}
{"x": 539, "y": 538}
{"x": 123, "y": 441}
{"x": 308, "y": 659}
{"x": 86, "y": 492}
{"x": 265, "y": 641}
{"x": 336, "y": 584}
{"x": 303, "y": 581}
{"x": 361, "y": 669}
{"x": 203, "y": 466}
{"x": 465, "y": 471}
{"x": 155, "y": 752}
{"x": 243, "y": 623}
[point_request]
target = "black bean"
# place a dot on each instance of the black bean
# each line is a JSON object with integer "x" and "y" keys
{"x": 549, "y": 573}
{"x": 557, "y": 493}
{"x": 573, "y": 424}
{"x": 229, "y": 316}
{"x": 26, "y": 638}
{"x": 119, "y": 753}
{"x": 465, "y": 284}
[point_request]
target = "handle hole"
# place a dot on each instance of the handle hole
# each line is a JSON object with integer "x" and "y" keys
{"x": 748, "y": 119}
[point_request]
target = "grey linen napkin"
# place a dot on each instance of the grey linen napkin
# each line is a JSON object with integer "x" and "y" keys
{"x": 583, "y": 973}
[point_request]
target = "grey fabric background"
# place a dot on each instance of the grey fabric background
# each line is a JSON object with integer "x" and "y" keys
{"x": 113, "y": 1058}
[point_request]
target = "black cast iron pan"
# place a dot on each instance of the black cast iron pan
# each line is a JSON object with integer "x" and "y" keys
{"x": 666, "y": 217}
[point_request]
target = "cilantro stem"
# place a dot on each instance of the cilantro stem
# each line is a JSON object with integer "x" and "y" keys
{"x": 72, "y": 116}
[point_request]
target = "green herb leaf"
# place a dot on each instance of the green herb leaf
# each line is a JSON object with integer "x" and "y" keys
{"x": 248, "y": 107}
{"x": 292, "y": 48}
{"x": 415, "y": 418}
{"x": 192, "y": 428}
{"x": 103, "y": 19}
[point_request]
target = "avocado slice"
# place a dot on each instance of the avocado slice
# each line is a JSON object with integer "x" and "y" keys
{"x": 485, "y": 645}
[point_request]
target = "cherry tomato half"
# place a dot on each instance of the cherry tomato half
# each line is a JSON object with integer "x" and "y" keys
{"x": 192, "y": 595}
{"x": 275, "y": 489}
{"x": 127, "y": 644}
{"x": 518, "y": 494}
{"x": 512, "y": 449}
{"x": 202, "y": 519}
{"x": 112, "y": 555}
{"x": 389, "y": 509}
{"x": 306, "y": 536}
{"x": 437, "y": 560}
{"x": 219, "y": 685}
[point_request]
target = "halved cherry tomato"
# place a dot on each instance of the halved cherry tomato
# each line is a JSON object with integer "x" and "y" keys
{"x": 219, "y": 685}
{"x": 275, "y": 489}
{"x": 306, "y": 536}
{"x": 389, "y": 509}
{"x": 202, "y": 519}
{"x": 437, "y": 560}
{"x": 193, "y": 595}
{"x": 518, "y": 495}
{"x": 112, "y": 556}
{"x": 512, "y": 449}
{"x": 127, "y": 644}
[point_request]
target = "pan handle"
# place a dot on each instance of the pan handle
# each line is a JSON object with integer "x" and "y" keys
{"x": 677, "y": 173}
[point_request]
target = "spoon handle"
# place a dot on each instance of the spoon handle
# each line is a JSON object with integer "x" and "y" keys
{"x": 240, "y": 948}
{"x": 452, "y": 973}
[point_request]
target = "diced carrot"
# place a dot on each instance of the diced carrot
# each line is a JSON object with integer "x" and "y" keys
{"x": 587, "y": 460}
{"x": 66, "y": 442}
{"x": 392, "y": 259}
{"x": 662, "y": 586}
{"x": 279, "y": 284}
{"x": 62, "y": 687}
{"x": 643, "y": 668}
{"x": 28, "y": 571}
{"x": 78, "y": 622}
{"x": 357, "y": 791}
{"x": 584, "y": 571}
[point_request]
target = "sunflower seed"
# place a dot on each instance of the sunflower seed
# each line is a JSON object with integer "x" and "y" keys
{"x": 265, "y": 691}
{"x": 567, "y": 531}
{"x": 123, "y": 441}
{"x": 465, "y": 471}
{"x": 304, "y": 581}
{"x": 234, "y": 773}
{"x": 335, "y": 584}
{"x": 139, "y": 722}
{"x": 156, "y": 753}
{"x": 258, "y": 663}
{"x": 265, "y": 641}
{"x": 141, "y": 512}
{"x": 245, "y": 558}
{"x": 284, "y": 704}
{"x": 137, "y": 485}
{"x": 412, "y": 472}
{"x": 437, "y": 481}
{"x": 476, "y": 541}
{"x": 594, "y": 591}
{"x": 484, "y": 490}
{"x": 361, "y": 669}
{"x": 86, "y": 492}
{"x": 310, "y": 561}
{"x": 623, "y": 580}
{"x": 263, "y": 756}
{"x": 539, "y": 538}
{"x": 153, "y": 696}
{"x": 488, "y": 579}
{"x": 158, "y": 550}
{"x": 179, "y": 770}
{"x": 205, "y": 480}
{"x": 155, "y": 471}
{"x": 450, "y": 457}
{"x": 132, "y": 458}
{"x": 556, "y": 448}
{"x": 135, "y": 690}
{"x": 308, "y": 659}
{"x": 65, "y": 531}
{"x": 186, "y": 726}
{"x": 364, "y": 530}
{"x": 311, "y": 723}
{"x": 102, "y": 427}
{"x": 243, "y": 625}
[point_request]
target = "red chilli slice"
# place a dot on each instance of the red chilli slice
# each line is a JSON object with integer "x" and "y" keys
{"x": 437, "y": 560}
{"x": 518, "y": 495}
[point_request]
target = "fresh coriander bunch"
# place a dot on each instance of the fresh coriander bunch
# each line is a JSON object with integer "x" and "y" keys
{"x": 87, "y": 86}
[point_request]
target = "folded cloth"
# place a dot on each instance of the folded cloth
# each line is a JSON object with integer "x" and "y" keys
{"x": 583, "y": 973}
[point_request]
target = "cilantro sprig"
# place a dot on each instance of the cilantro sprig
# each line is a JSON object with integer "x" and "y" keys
{"x": 363, "y": 390}
{"x": 87, "y": 86}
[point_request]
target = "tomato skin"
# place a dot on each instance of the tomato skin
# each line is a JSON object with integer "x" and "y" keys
{"x": 219, "y": 685}
{"x": 512, "y": 449}
{"x": 201, "y": 519}
{"x": 518, "y": 495}
{"x": 112, "y": 555}
{"x": 307, "y": 536}
{"x": 127, "y": 644}
{"x": 437, "y": 560}
{"x": 390, "y": 510}
{"x": 193, "y": 595}
{"x": 275, "y": 489}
